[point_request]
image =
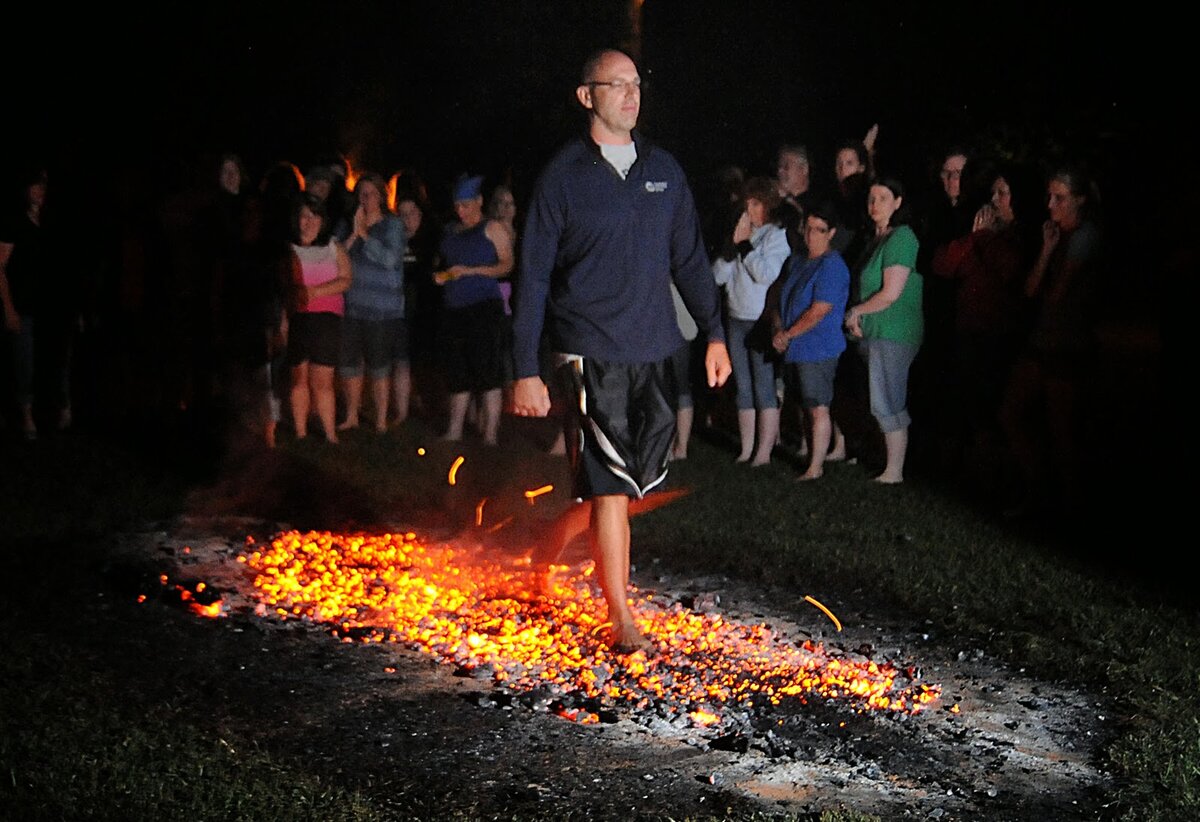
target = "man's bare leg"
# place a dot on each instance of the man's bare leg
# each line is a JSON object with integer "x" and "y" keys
{"x": 610, "y": 549}
{"x": 577, "y": 518}
{"x": 566, "y": 527}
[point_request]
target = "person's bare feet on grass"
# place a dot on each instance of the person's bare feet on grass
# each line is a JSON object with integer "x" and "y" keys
{"x": 348, "y": 424}
{"x": 889, "y": 479}
{"x": 810, "y": 475}
{"x": 837, "y": 451}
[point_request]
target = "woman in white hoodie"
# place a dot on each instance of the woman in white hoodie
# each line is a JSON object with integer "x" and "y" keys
{"x": 759, "y": 250}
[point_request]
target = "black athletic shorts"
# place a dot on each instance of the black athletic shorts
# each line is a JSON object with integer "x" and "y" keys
{"x": 472, "y": 346}
{"x": 620, "y": 424}
{"x": 314, "y": 337}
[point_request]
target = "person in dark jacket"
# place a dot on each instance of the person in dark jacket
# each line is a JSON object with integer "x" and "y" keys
{"x": 610, "y": 226}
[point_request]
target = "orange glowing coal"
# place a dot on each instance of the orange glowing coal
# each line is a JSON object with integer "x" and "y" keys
{"x": 534, "y": 493}
{"x": 214, "y": 609}
{"x": 495, "y": 616}
{"x": 211, "y": 610}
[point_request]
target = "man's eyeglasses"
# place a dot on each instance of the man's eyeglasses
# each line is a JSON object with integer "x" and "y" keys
{"x": 619, "y": 86}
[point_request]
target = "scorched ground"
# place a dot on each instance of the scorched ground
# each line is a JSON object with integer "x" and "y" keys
{"x": 431, "y": 735}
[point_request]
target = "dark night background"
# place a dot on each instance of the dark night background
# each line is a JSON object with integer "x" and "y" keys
{"x": 157, "y": 92}
{"x": 451, "y": 85}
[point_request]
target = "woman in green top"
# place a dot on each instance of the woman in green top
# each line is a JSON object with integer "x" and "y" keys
{"x": 888, "y": 320}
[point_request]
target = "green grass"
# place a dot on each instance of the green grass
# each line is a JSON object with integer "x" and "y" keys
{"x": 74, "y": 758}
{"x": 1033, "y": 600}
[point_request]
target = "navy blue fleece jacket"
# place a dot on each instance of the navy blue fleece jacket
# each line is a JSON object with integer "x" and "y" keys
{"x": 598, "y": 255}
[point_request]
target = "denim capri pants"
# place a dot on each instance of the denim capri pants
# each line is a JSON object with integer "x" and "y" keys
{"x": 753, "y": 371}
{"x": 376, "y": 345}
{"x": 814, "y": 381}
{"x": 888, "y": 362}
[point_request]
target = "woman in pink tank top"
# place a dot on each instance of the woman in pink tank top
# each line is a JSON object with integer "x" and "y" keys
{"x": 320, "y": 276}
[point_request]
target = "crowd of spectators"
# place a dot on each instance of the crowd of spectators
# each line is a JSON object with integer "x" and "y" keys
{"x": 250, "y": 300}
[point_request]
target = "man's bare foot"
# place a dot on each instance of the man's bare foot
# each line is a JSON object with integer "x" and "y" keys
{"x": 545, "y": 554}
{"x": 625, "y": 638}
{"x": 760, "y": 463}
{"x": 543, "y": 579}
{"x": 810, "y": 475}
{"x": 348, "y": 423}
{"x": 889, "y": 479}
{"x": 836, "y": 455}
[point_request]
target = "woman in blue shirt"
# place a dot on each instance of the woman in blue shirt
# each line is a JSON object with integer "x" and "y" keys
{"x": 808, "y": 328}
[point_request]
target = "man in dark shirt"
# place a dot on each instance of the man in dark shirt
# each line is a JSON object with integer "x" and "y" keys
{"x": 610, "y": 225}
{"x": 793, "y": 173}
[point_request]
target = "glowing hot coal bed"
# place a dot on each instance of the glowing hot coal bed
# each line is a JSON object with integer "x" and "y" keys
{"x": 540, "y": 636}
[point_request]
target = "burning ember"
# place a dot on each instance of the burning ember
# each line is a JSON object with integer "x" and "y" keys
{"x": 199, "y": 599}
{"x": 540, "y": 634}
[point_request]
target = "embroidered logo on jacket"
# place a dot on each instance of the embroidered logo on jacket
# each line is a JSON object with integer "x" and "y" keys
{"x": 656, "y": 187}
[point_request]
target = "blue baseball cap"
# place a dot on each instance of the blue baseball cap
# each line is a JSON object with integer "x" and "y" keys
{"x": 468, "y": 188}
